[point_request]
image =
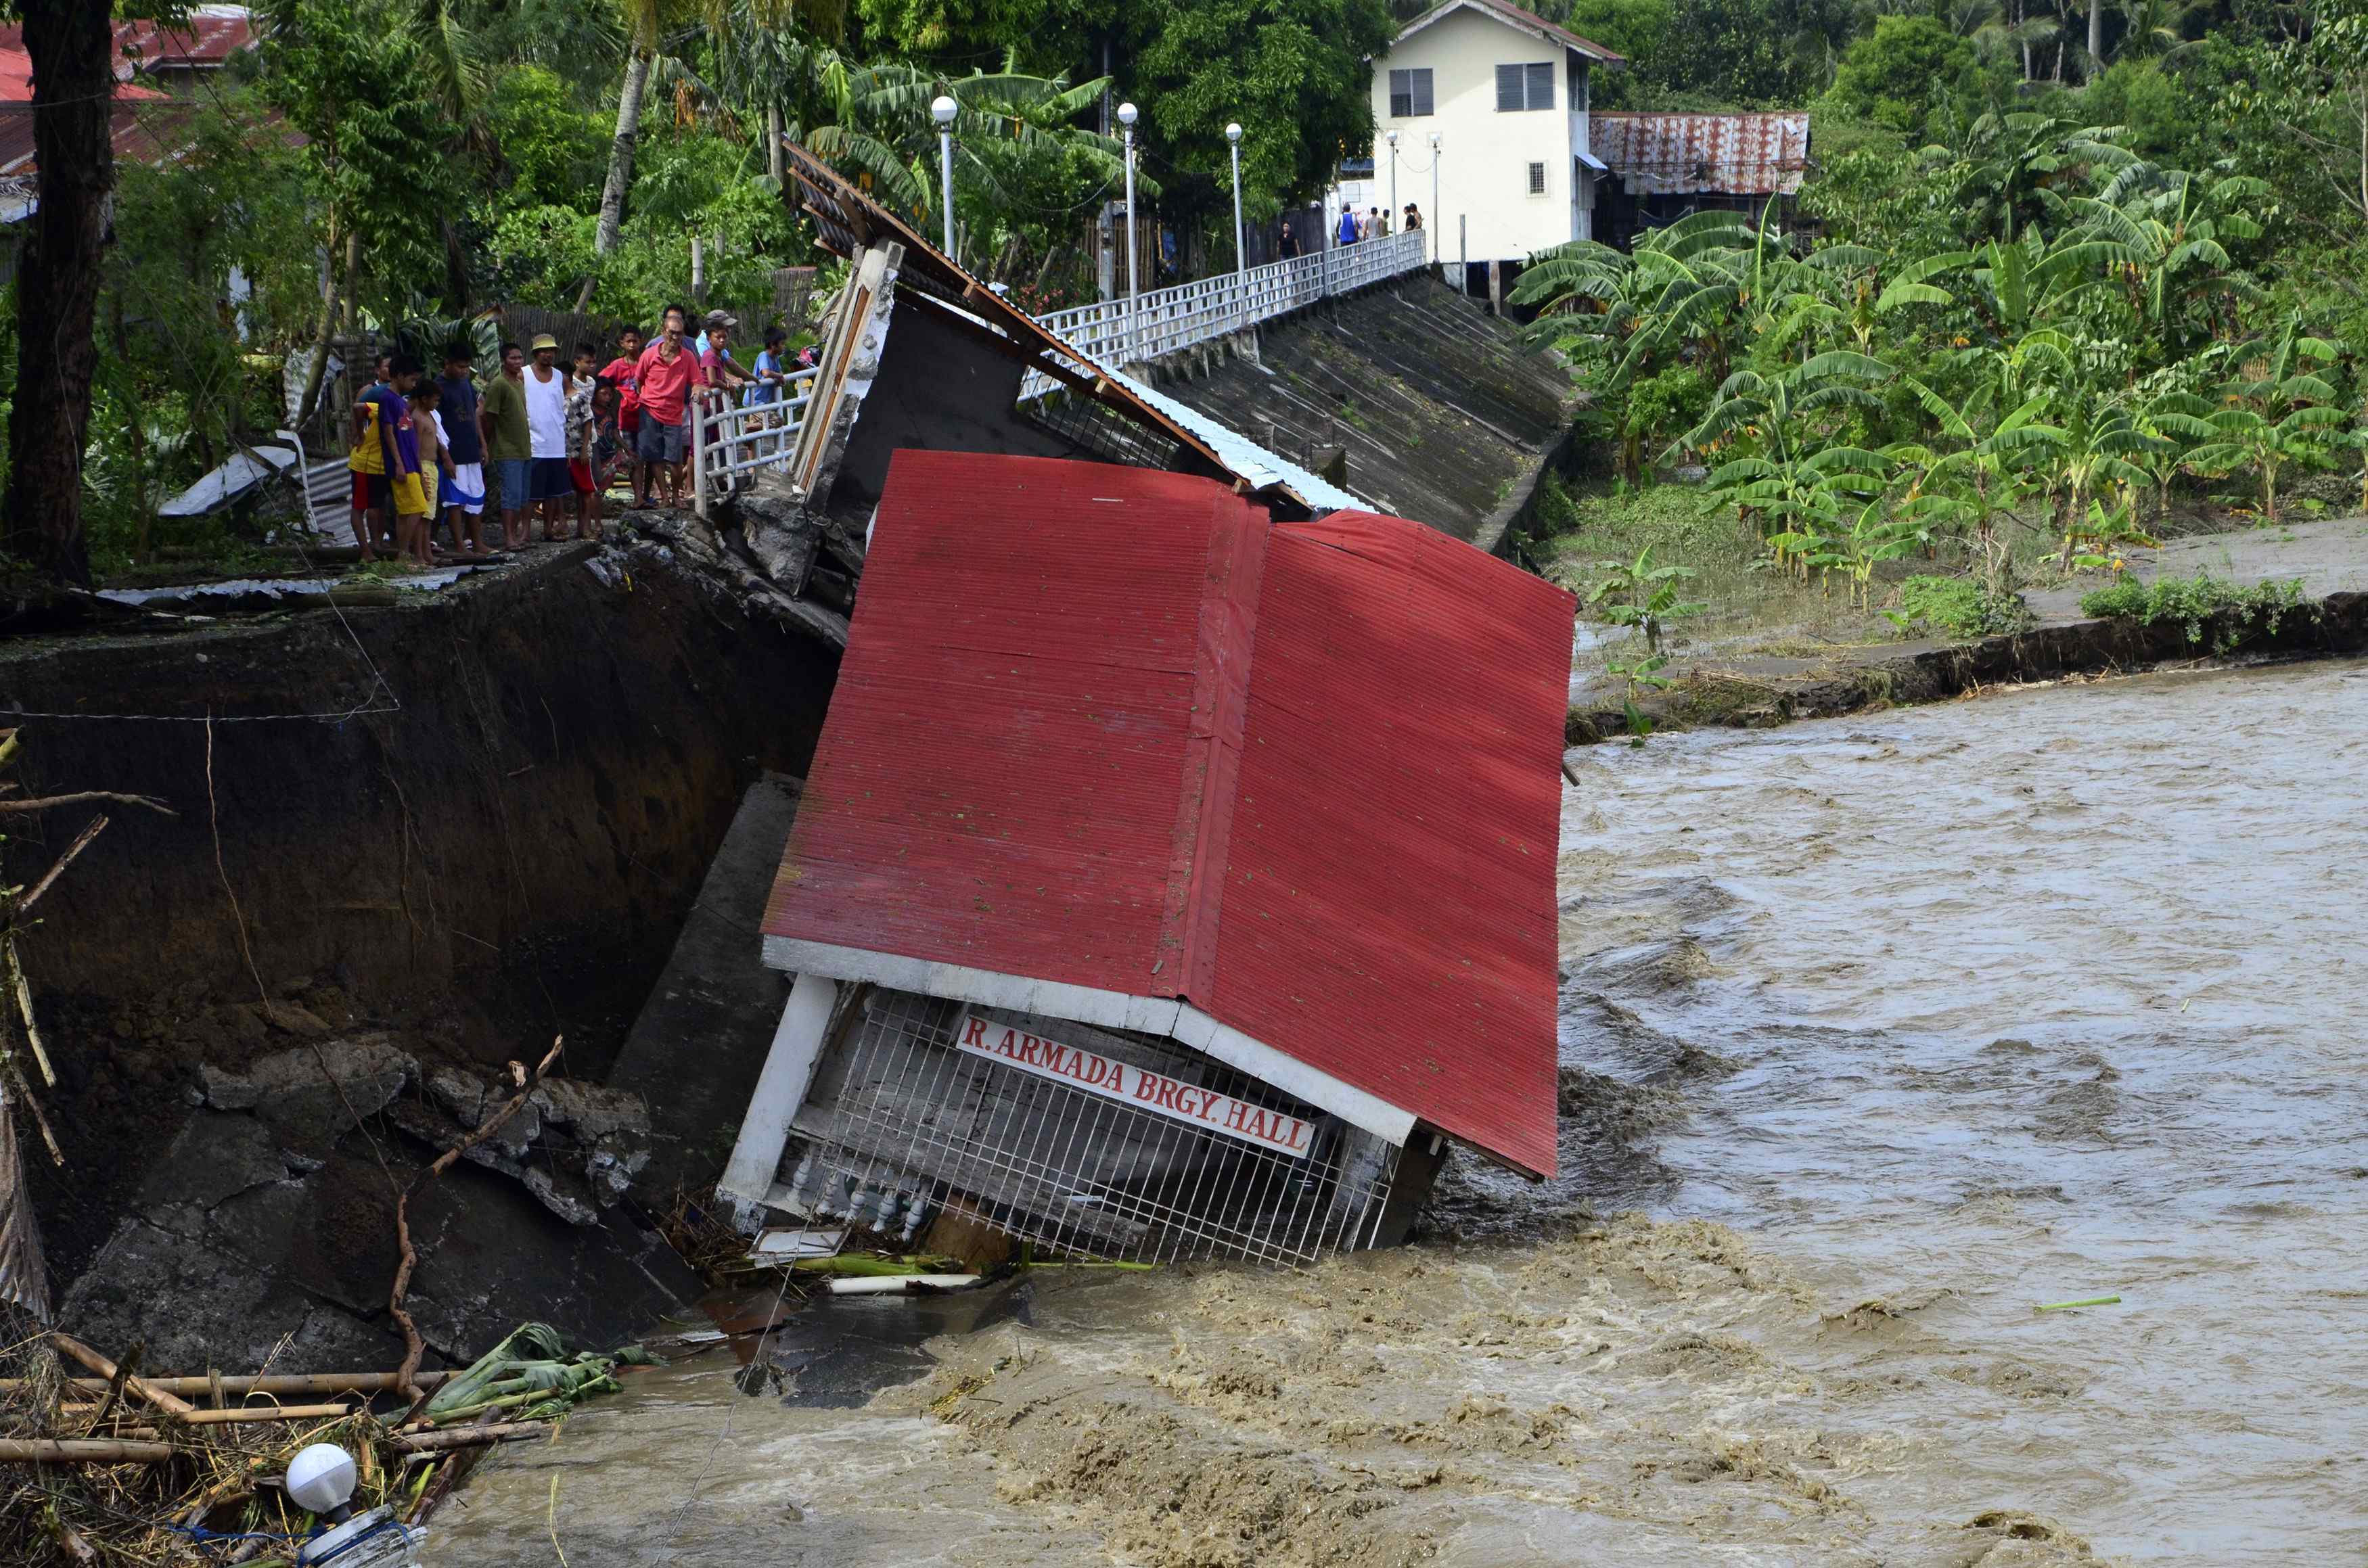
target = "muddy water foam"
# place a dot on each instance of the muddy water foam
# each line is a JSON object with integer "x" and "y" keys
{"x": 1888, "y": 1030}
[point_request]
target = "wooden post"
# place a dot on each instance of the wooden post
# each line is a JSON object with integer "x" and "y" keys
{"x": 697, "y": 450}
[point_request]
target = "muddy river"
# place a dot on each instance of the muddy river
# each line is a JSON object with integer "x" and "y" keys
{"x": 1876, "y": 1034}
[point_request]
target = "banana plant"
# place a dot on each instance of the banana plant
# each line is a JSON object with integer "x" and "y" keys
{"x": 2163, "y": 234}
{"x": 2280, "y": 415}
{"x": 1643, "y": 597}
{"x": 2101, "y": 446}
{"x": 1981, "y": 475}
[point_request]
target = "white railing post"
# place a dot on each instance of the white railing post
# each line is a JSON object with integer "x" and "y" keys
{"x": 699, "y": 453}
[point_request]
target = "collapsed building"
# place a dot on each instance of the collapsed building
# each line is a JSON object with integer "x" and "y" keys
{"x": 1174, "y": 875}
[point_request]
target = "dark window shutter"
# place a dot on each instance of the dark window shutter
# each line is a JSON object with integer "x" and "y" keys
{"x": 1401, "y": 95}
{"x": 1509, "y": 89}
{"x": 1421, "y": 84}
{"x": 1541, "y": 85}
{"x": 1537, "y": 180}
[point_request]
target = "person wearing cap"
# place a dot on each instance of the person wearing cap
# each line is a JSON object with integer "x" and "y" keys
{"x": 718, "y": 371}
{"x": 549, "y": 490}
{"x": 664, "y": 376}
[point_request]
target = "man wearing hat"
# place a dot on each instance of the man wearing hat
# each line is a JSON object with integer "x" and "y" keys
{"x": 549, "y": 490}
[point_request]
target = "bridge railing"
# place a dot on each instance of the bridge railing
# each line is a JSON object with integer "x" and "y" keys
{"x": 731, "y": 438}
{"x": 1123, "y": 332}
{"x": 727, "y": 441}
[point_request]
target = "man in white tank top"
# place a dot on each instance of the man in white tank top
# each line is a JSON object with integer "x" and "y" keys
{"x": 546, "y": 420}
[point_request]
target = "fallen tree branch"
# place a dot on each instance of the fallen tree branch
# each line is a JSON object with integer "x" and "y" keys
{"x": 414, "y": 1347}
{"x": 44, "y": 802}
{"x": 81, "y": 842}
{"x": 81, "y": 1451}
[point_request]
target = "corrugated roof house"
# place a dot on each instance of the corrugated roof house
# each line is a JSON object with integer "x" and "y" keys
{"x": 1122, "y": 762}
{"x": 1664, "y": 165}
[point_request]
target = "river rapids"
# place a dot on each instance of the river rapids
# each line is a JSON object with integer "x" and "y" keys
{"x": 1876, "y": 1034}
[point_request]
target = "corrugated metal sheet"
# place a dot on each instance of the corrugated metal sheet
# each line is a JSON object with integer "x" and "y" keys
{"x": 1113, "y": 728}
{"x": 1513, "y": 16}
{"x": 1740, "y": 155}
{"x": 1244, "y": 457}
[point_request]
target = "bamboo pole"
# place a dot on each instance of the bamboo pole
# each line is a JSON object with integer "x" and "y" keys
{"x": 105, "y": 1369}
{"x": 247, "y": 1383}
{"x": 470, "y": 1437}
{"x": 81, "y": 1451}
{"x": 237, "y": 1414}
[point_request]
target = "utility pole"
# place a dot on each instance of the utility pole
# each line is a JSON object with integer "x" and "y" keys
{"x": 942, "y": 110}
{"x": 1394, "y": 208}
{"x": 1433, "y": 221}
{"x": 1241, "y": 256}
{"x": 1126, "y": 118}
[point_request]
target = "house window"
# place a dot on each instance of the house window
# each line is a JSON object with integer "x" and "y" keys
{"x": 1524, "y": 87}
{"x": 1537, "y": 180}
{"x": 1410, "y": 92}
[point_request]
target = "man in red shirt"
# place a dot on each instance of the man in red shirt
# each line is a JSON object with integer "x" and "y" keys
{"x": 620, "y": 374}
{"x": 663, "y": 377}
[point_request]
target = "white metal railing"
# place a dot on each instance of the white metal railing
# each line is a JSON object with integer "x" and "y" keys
{"x": 729, "y": 439}
{"x": 1123, "y": 332}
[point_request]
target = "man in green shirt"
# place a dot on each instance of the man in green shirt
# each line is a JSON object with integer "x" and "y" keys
{"x": 509, "y": 446}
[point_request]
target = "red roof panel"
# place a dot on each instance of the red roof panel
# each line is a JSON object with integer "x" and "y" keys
{"x": 1112, "y": 727}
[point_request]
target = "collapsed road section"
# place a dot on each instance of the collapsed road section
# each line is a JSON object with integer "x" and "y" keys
{"x": 1141, "y": 902}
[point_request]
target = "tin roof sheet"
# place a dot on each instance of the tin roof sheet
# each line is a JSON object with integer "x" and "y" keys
{"x": 1115, "y": 728}
{"x": 1739, "y": 155}
{"x": 1514, "y": 16}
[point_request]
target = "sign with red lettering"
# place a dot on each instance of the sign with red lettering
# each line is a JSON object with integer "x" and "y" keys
{"x": 1130, "y": 1084}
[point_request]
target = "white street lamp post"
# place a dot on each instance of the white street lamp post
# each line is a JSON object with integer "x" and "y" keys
{"x": 943, "y": 109}
{"x": 1241, "y": 255}
{"x": 1394, "y": 210}
{"x": 1432, "y": 218}
{"x": 1126, "y": 115}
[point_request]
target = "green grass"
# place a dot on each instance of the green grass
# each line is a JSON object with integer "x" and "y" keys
{"x": 2199, "y": 604}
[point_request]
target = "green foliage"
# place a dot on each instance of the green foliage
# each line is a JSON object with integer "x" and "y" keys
{"x": 1959, "y": 606}
{"x": 2198, "y": 605}
{"x": 1899, "y": 73}
{"x": 554, "y": 151}
{"x": 1646, "y": 597}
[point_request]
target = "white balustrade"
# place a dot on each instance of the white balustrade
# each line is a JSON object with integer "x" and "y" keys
{"x": 1122, "y": 331}
{"x": 729, "y": 439}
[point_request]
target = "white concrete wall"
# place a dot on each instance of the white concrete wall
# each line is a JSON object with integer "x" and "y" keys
{"x": 1483, "y": 171}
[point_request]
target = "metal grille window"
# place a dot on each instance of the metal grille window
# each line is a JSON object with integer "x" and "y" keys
{"x": 1537, "y": 180}
{"x": 1410, "y": 92}
{"x": 901, "y": 1126}
{"x": 1522, "y": 87}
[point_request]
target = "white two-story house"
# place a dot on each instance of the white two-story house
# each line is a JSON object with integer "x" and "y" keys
{"x": 1499, "y": 98}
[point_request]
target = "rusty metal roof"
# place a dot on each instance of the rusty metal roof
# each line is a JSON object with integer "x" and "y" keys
{"x": 1737, "y": 155}
{"x": 1527, "y": 21}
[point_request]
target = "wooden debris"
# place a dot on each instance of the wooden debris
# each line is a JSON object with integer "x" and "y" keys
{"x": 105, "y": 1369}
{"x": 274, "y": 1383}
{"x": 81, "y": 1451}
{"x": 471, "y": 1437}
{"x": 414, "y": 1347}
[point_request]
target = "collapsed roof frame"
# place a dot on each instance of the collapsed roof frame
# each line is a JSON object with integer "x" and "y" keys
{"x": 850, "y": 221}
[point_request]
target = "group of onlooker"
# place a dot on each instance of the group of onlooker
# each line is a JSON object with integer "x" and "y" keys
{"x": 543, "y": 438}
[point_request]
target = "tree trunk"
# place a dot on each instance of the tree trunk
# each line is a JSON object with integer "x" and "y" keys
{"x": 773, "y": 143}
{"x": 621, "y": 151}
{"x": 71, "y": 44}
{"x": 333, "y": 291}
{"x": 2096, "y": 39}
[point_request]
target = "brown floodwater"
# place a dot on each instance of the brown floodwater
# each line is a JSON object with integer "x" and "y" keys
{"x": 1876, "y": 1033}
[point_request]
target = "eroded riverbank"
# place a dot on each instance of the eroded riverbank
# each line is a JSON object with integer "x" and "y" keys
{"x": 1891, "y": 1028}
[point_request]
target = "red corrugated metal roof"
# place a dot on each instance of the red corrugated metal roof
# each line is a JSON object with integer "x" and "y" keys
{"x": 1115, "y": 728}
{"x": 1740, "y": 155}
{"x": 1529, "y": 21}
